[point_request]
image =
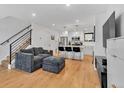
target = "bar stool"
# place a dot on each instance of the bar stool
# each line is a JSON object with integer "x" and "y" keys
{"x": 62, "y": 51}
{"x": 77, "y": 53}
{"x": 69, "y": 52}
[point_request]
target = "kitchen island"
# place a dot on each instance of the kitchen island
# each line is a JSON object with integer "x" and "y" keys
{"x": 72, "y": 51}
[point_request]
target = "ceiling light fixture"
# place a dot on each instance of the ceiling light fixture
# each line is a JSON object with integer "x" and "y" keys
{"x": 67, "y": 4}
{"x": 53, "y": 24}
{"x": 66, "y": 32}
{"x": 77, "y": 21}
{"x": 76, "y": 33}
{"x": 33, "y": 14}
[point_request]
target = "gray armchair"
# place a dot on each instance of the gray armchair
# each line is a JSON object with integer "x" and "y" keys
{"x": 30, "y": 60}
{"x": 24, "y": 61}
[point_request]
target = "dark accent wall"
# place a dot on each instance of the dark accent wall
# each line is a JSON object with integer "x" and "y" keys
{"x": 118, "y": 26}
{"x": 109, "y": 29}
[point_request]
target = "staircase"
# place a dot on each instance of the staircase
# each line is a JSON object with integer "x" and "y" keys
{"x": 21, "y": 43}
{"x": 5, "y": 62}
{"x": 24, "y": 45}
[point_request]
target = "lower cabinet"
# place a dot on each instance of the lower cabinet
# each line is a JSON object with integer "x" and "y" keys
{"x": 115, "y": 62}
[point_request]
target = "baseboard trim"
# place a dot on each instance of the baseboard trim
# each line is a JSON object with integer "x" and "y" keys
{"x": 9, "y": 66}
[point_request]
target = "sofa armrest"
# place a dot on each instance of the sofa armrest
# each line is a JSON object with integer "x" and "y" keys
{"x": 24, "y": 61}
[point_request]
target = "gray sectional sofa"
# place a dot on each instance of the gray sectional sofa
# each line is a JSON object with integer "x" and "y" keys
{"x": 31, "y": 59}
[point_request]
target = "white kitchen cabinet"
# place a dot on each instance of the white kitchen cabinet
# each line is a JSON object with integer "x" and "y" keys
{"x": 115, "y": 62}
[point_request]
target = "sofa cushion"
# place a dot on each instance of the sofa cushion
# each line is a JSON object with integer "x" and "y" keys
{"x": 38, "y": 50}
{"x": 44, "y": 55}
{"x": 46, "y": 52}
{"x": 27, "y": 51}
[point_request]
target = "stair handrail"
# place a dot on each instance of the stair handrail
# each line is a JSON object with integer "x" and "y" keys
{"x": 17, "y": 40}
{"x": 15, "y": 35}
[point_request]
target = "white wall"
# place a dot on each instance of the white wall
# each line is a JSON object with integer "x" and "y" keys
{"x": 41, "y": 37}
{"x": 101, "y": 19}
{"x": 119, "y": 15}
{"x": 115, "y": 64}
{"x": 99, "y": 50}
{"x": 8, "y": 27}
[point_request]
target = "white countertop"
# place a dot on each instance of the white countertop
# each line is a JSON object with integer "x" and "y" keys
{"x": 82, "y": 46}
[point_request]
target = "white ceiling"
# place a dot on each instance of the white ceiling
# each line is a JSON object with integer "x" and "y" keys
{"x": 59, "y": 14}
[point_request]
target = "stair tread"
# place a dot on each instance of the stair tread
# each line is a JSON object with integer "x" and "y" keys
{"x": 6, "y": 61}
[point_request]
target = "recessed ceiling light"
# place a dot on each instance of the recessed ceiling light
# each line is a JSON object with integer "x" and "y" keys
{"x": 77, "y": 21}
{"x": 33, "y": 14}
{"x": 53, "y": 24}
{"x": 67, "y": 4}
{"x": 66, "y": 32}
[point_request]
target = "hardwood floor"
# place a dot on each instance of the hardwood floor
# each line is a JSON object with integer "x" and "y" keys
{"x": 2, "y": 68}
{"x": 76, "y": 74}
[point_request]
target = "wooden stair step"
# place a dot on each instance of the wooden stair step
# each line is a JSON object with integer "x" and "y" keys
{"x": 5, "y": 63}
{"x": 21, "y": 46}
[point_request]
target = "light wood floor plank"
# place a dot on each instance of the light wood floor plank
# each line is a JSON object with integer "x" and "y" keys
{"x": 76, "y": 74}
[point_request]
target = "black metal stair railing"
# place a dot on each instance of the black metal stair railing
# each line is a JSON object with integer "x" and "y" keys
{"x": 20, "y": 43}
{"x": 6, "y": 41}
